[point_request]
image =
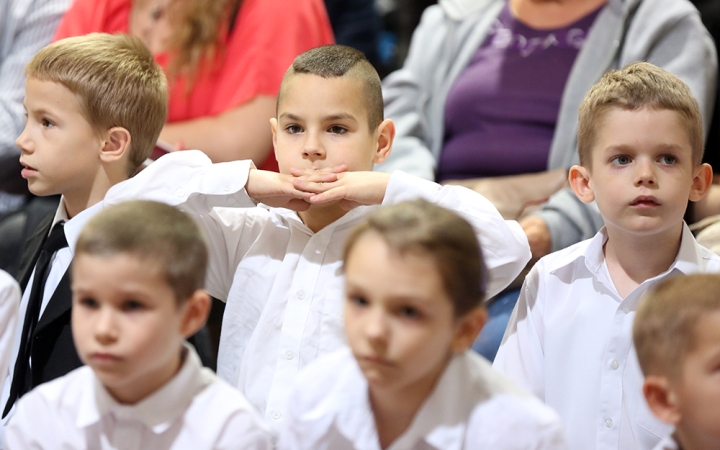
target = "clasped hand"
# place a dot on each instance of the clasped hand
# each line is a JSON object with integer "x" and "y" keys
{"x": 302, "y": 188}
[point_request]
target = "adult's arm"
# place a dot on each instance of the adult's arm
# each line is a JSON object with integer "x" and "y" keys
{"x": 669, "y": 34}
{"x": 26, "y": 26}
{"x": 407, "y": 93}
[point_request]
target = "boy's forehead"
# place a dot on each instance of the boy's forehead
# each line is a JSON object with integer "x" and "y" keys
{"x": 302, "y": 92}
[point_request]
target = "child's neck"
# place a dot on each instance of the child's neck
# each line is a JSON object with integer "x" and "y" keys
{"x": 133, "y": 393}
{"x": 632, "y": 259}
{"x": 319, "y": 216}
{"x": 78, "y": 201}
{"x": 691, "y": 441}
{"x": 394, "y": 410}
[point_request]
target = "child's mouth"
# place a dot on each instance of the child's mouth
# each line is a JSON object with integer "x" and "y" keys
{"x": 27, "y": 171}
{"x": 645, "y": 201}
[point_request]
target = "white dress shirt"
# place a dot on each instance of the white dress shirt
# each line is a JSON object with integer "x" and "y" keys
{"x": 194, "y": 410}
{"x": 471, "y": 407}
{"x": 9, "y": 301}
{"x": 667, "y": 444}
{"x": 282, "y": 282}
{"x": 569, "y": 341}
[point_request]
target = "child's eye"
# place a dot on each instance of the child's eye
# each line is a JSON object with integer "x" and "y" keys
{"x": 132, "y": 305}
{"x": 668, "y": 159}
{"x": 358, "y": 300}
{"x": 88, "y": 302}
{"x": 46, "y": 123}
{"x": 337, "y": 129}
{"x": 620, "y": 160}
{"x": 409, "y": 312}
{"x": 293, "y": 129}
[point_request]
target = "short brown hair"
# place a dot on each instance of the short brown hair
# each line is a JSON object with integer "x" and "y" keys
{"x": 117, "y": 82}
{"x": 664, "y": 331}
{"x": 334, "y": 61}
{"x": 443, "y": 235}
{"x": 636, "y": 86}
{"x": 153, "y": 232}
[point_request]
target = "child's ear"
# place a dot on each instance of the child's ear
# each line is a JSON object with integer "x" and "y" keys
{"x": 197, "y": 308}
{"x": 661, "y": 399}
{"x": 467, "y": 329}
{"x": 116, "y": 144}
{"x": 385, "y": 137}
{"x": 701, "y": 182}
{"x": 579, "y": 178}
{"x": 273, "y": 128}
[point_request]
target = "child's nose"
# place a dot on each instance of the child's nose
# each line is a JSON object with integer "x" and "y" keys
{"x": 645, "y": 173}
{"x": 22, "y": 141}
{"x": 106, "y": 327}
{"x": 313, "y": 149}
{"x": 377, "y": 328}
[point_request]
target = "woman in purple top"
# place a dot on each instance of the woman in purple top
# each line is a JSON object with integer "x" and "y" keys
{"x": 492, "y": 88}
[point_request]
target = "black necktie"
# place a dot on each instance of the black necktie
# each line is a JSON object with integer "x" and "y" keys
{"x": 22, "y": 376}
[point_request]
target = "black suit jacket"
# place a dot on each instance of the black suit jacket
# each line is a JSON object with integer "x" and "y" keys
{"x": 53, "y": 350}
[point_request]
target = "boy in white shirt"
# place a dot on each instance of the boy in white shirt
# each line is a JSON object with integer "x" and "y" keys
{"x": 280, "y": 270}
{"x": 569, "y": 339}
{"x": 137, "y": 284}
{"x": 414, "y": 286}
{"x": 677, "y": 337}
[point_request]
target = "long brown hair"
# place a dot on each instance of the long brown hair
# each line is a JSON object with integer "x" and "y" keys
{"x": 199, "y": 27}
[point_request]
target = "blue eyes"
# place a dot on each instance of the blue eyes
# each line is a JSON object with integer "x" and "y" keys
{"x": 622, "y": 160}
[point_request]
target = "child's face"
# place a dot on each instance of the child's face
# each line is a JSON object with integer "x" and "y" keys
{"x": 641, "y": 173}
{"x": 697, "y": 392}
{"x": 323, "y": 123}
{"x": 126, "y": 323}
{"x": 399, "y": 320}
{"x": 59, "y": 147}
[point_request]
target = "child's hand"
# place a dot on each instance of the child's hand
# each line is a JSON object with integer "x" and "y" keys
{"x": 352, "y": 189}
{"x": 277, "y": 190}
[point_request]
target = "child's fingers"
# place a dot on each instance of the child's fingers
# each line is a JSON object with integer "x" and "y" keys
{"x": 330, "y": 195}
{"x": 304, "y": 185}
{"x": 328, "y": 170}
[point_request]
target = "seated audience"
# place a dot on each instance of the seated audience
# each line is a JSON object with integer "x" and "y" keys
{"x": 137, "y": 285}
{"x": 84, "y": 134}
{"x": 278, "y": 264}
{"x": 569, "y": 340}
{"x": 677, "y": 337}
{"x": 414, "y": 285}
{"x": 224, "y": 60}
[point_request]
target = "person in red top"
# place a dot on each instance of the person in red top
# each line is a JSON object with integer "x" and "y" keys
{"x": 224, "y": 60}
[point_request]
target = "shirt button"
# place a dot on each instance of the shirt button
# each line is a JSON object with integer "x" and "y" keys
{"x": 300, "y": 294}
{"x": 608, "y": 423}
{"x": 625, "y": 309}
{"x": 276, "y": 414}
{"x": 180, "y": 192}
{"x": 289, "y": 355}
{"x": 226, "y": 187}
{"x": 614, "y": 364}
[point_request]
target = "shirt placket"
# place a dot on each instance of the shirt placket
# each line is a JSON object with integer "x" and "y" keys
{"x": 301, "y": 296}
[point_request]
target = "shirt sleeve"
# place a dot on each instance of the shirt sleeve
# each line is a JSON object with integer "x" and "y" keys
{"x": 520, "y": 356}
{"x": 504, "y": 245}
{"x": 189, "y": 181}
{"x": 9, "y": 302}
{"x": 244, "y": 430}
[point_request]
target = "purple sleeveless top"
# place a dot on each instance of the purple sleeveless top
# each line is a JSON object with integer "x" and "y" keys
{"x": 501, "y": 112}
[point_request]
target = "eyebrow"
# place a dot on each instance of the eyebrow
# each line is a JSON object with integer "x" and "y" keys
{"x": 330, "y": 118}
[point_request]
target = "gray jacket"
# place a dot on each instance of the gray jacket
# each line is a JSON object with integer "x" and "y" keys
{"x": 667, "y": 33}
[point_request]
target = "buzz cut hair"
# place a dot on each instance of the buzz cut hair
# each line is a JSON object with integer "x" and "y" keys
{"x": 636, "y": 86}
{"x": 117, "y": 82}
{"x": 424, "y": 228}
{"x": 335, "y": 61}
{"x": 666, "y": 321}
{"x": 162, "y": 237}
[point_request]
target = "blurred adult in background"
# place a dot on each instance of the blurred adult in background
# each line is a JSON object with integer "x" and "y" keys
{"x": 224, "y": 60}
{"x": 26, "y": 26}
{"x": 491, "y": 88}
{"x": 356, "y": 24}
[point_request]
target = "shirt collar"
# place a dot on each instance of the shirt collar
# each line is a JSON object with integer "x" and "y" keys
{"x": 158, "y": 411}
{"x": 690, "y": 257}
{"x": 293, "y": 218}
{"x": 74, "y": 226}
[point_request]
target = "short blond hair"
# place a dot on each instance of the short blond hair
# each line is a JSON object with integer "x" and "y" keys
{"x": 117, "y": 82}
{"x": 163, "y": 237}
{"x": 665, "y": 325}
{"x": 441, "y": 234}
{"x": 637, "y": 86}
